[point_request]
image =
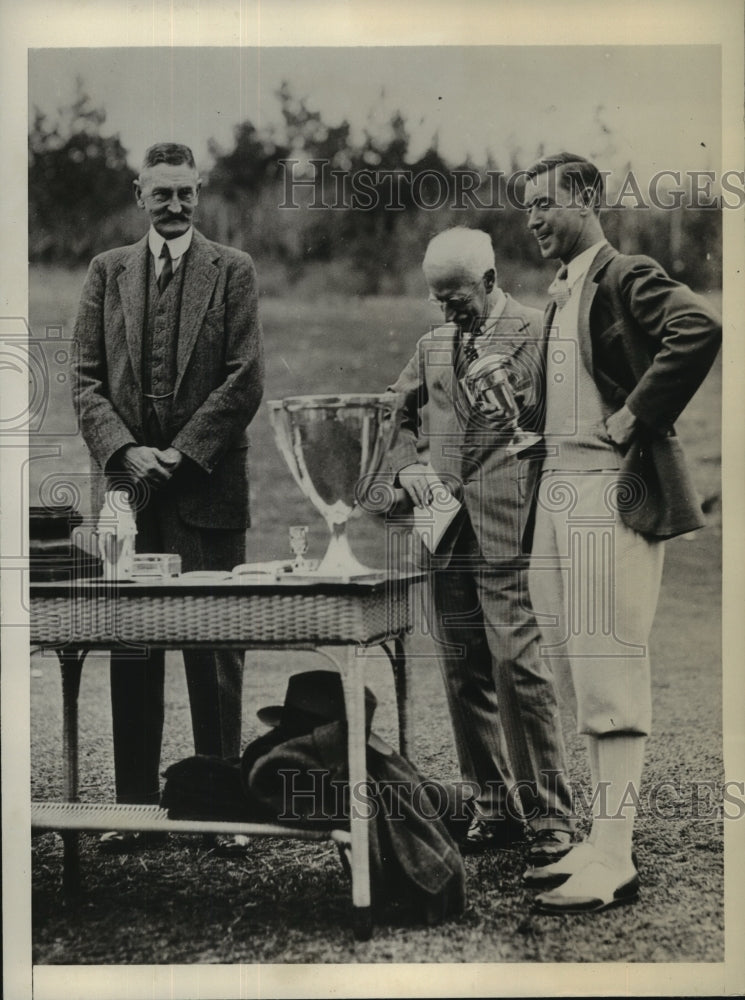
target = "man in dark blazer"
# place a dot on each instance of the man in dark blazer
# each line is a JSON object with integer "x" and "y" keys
{"x": 168, "y": 375}
{"x": 626, "y": 349}
{"x": 501, "y": 695}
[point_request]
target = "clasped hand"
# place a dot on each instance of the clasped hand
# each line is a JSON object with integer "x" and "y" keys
{"x": 150, "y": 465}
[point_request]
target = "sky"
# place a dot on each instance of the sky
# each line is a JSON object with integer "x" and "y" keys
{"x": 656, "y": 107}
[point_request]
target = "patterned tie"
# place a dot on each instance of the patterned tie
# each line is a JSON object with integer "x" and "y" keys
{"x": 559, "y": 290}
{"x": 467, "y": 353}
{"x": 468, "y": 346}
{"x": 167, "y": 271}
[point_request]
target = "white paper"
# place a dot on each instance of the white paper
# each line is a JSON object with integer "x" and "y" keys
{"x": 432, "y": 521}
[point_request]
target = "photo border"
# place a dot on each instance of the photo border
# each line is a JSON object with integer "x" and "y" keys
{"x": 36, "y": 23}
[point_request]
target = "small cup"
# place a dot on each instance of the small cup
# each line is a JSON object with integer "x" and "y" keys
{"x": 299, "y": 545}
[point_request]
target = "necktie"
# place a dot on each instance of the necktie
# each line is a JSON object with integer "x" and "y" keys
{"x": 167, "y": 271}
{"x": 559, "y": 289}
{"x": 470, "y": 353}
{"x": 467, "y": 354}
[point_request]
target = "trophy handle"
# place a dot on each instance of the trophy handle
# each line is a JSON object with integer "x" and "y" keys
{"x": 279, "y": 419}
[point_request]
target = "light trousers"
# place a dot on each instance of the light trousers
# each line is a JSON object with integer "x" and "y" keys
{"x": 594, "y": 585}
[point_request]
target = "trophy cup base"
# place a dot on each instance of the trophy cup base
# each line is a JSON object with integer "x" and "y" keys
{"x": 340, "y": 563}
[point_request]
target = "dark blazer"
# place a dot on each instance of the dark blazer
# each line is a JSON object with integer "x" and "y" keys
{"x": 219, "y": 378}
{"x": 466, "y": 450}
{"x": 653, "y": 341}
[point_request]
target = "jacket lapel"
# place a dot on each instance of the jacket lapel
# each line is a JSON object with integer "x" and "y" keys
{"x": 509, "y": 331}
{"x": 441, "y": 347}
{"x": 132, "y": 280}
{"x": 589, "y": 288}
{"x": 199, "y": 282}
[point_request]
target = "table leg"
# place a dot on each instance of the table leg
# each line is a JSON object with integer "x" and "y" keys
{"x": 401, "y": 679}
{"x": 71, "y": 666}
{"x": 359, "y": 803}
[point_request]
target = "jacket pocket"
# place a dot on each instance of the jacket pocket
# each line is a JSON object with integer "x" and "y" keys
{"x": 216, "y": 314}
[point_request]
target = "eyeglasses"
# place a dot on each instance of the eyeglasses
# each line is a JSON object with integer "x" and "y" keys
{"x": 455, "y": 302}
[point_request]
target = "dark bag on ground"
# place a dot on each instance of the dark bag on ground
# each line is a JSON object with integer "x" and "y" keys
{"x": 413, "y": 857}
{"x": 209, "y": 788}
{"x": 297, "y": 774}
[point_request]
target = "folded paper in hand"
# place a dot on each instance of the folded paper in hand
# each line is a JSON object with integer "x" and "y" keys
{"x": 432, "y": 521}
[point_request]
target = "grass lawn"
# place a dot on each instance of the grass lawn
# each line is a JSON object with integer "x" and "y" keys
{"x": 289, "y": 902}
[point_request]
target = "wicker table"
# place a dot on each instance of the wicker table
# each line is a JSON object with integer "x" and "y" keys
{"x": 284, "y": 613}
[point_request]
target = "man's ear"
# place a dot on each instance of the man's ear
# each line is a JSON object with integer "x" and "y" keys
{"x": 138, "y": 192}
{"x": 490, "y": 279}
{"x": 588, "y": 197}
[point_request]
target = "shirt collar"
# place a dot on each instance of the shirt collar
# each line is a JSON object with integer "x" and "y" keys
{"x": 177, "y": 248}
{"x": 580, "y": 265}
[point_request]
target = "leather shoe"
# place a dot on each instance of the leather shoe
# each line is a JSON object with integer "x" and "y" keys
{"x": 491, "y": 835}
{"x": 597, "y": 886}
{"x": 548, "y": 846}
{"x": 548, "y": 876}
{"x": 130, "y": 841}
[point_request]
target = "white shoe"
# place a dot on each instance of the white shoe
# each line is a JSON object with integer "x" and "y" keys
{"x": 545, "y": 876}
{"x": 597, "y": 886}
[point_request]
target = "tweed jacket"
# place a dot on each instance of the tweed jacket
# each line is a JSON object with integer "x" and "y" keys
{"x": 466, "y": 450}
{"x": 652, "y": 341}
{"x": 219, "y": 373}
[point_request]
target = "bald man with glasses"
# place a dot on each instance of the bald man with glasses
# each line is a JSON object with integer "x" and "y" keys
{"x": 501, "y": 695}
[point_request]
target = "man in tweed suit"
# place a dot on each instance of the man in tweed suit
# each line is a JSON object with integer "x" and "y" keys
{"x": 501, "y": 695}
{"x": 613, "y": 486}
{"x": 168, "y": 375}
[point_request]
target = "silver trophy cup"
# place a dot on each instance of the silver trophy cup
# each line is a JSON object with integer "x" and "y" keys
{"x": 330, "y": 444}
{"x": 491, "y": 391}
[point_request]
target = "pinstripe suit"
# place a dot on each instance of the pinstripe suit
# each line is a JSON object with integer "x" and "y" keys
{"x": 501, "y": 696}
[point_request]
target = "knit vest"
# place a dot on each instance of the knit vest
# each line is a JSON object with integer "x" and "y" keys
{"x": 575, "y": 432}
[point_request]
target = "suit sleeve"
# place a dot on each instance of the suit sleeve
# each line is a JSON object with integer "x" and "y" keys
{"x": 412, "y": 388}
{"x": 102, "y": 428}
{"x": 218, "y": 423}
{"x": 687, "y": 332}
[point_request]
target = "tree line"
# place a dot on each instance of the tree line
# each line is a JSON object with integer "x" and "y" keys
{"x": 312, "y": 196}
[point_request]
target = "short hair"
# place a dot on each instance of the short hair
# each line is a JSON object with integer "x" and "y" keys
{"x": 459, "y": 251}
{"x": 173, "y": 153}
{"x": 575, "y": 174}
